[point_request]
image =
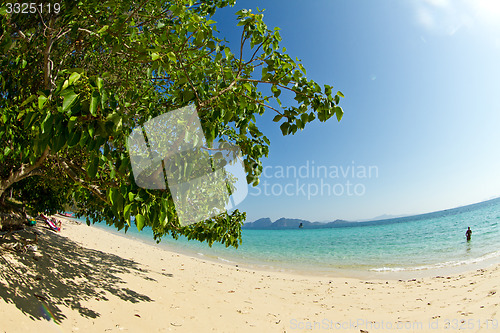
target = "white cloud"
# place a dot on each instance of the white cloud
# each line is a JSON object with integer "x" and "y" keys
{"x": 447, "y": 17}
{"x": 438, "y": 3}
{"x": 487, "y": 11}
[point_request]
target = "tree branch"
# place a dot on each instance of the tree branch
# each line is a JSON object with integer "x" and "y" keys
{"x": 223, "y": 91}
{"x": 242, "y": 42}
{"x": 20, "y": 33}
{"x": 279, "y": 85}
{"x": 189, "y": 79}
{"x": 263, "y": 104}
{"x": 72, "y": 174}
{"x": 253, "y": 56}
{"x": 47, "y": 62}
{"x": 134, "y": 12}
{"x": 24, "y": 171}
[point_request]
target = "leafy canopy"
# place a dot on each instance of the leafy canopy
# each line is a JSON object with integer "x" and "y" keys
{"x": 75, "y": 84}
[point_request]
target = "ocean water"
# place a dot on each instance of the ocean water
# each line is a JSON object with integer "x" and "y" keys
{"x": 423, "y": 242}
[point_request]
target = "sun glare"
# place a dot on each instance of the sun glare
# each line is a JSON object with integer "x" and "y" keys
{"x": 448, "y": 17}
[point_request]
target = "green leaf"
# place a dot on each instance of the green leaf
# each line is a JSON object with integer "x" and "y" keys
{"x": 84, "y": 139}
{"x": 28, "y": 120}
{"x": 59, "y": 140}
{"x": 99, "y": 82}
{"x": 104, "y": 98}
{"x": 284, "y": 128}
{"x": 6, "y": 151}
{"x": 126, "y": 213}
{"x": 94, "y": 101}
{"x": 328, "y": 90}
{"x": 277, "y": 118}
{"x": 47, "y": 123}
{"x": 275, "y": 90}
{"x": 304, "y": 118}
{"x": 71, "y": 123}
{"x": 103, "y": 29}
{"x": 211, "y": 44}
{"x": 163, "y": 218}
{"x": 340, "y": 94}
{"x": 139, "y": 221}
{"x": 321, "y": 115}
{"x": 92, "y": 170}
{"x": 65, "y": 85}
{"x": 28, "y": 100}
{"x": 188, "y": 95}
{"x": 113, "y": 195}
{"x": 302, "y": 69}
{"x": 69, "y": 97}
{"x": 339, "y": 112}
{"x": 156, "y": 56}
{"x": 74, "y": 139}
{"x": 41, "y": 101}
{"x": 73, "y": 78}
{"x": 228, "y": 116}
{"x": 117, "y": 200}
{"x": 171, "y": 56}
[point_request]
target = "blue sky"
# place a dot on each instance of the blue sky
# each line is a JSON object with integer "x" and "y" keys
{"x": 421, "y": 80}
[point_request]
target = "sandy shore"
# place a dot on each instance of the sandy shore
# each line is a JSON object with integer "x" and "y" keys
{"x": 88, "y": 280}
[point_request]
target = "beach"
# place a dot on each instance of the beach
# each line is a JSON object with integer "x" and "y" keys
{"x": 85, "y": 279}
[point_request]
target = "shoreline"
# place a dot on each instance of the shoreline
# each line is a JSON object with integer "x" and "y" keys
{"x": 87, "y": 279}
{"x": 313, "y": 271}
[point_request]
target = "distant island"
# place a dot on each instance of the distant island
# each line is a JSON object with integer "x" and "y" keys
{"x": 290, "y": 223}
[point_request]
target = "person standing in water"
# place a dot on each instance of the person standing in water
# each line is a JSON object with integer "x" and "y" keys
{"x": 468, "y": 234}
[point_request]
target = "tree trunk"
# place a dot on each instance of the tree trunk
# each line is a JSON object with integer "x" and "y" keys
{"x": 24, "y": 171}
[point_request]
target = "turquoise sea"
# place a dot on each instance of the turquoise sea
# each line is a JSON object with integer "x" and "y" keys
{"x": 416, "y": 243}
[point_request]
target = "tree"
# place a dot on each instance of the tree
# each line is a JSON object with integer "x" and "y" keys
{"x": 76, "y": 81}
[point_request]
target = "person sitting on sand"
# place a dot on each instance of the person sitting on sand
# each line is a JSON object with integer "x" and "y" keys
{"x": 468, "y": 234}
{"x": 57, "y": 223}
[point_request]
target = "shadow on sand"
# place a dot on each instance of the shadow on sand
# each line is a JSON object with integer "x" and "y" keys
{"x": 65, "y": 275}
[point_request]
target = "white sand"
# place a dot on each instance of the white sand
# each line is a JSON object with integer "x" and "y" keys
{"x": 95, "y": 281}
